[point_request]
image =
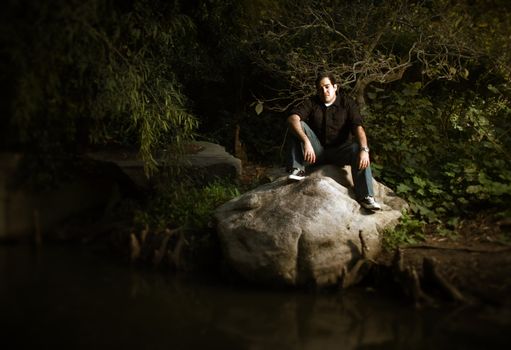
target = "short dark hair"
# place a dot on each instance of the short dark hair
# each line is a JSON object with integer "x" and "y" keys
{"x": 323, "y": 75}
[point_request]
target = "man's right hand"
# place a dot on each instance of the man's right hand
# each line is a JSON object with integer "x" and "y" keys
{"x": 308, "y": 152}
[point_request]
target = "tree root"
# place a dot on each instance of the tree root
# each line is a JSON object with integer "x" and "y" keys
{"x": 411, "y": 281}
{"x": 432, "y": 273}
{"x": 163, "y": 251}
{"x": 355, "y": 274}
{"x": 361, "y": 267}
{"x": 145, "y": 241}
{"x": 135, "y": 248}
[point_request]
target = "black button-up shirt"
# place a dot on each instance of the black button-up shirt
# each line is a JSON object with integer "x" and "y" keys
{"x": 334, "y": 124}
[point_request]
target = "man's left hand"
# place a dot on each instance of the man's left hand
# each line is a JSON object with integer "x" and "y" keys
{"x": 364, "y": 160}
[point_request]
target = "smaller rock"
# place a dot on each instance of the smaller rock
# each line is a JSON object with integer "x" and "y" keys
{"x": 202, "y": 161}
{"x": 212, "y": 161}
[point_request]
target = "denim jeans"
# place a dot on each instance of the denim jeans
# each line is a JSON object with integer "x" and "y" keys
{"x": 345, "y": 154}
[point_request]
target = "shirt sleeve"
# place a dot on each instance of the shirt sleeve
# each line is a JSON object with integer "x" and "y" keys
{"x": 303, "y": 110}
{"x": 354, "y": 114}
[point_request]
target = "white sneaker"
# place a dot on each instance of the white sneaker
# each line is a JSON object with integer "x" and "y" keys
{"x": 296, "y": 175}
{"x": 369, "y": 203}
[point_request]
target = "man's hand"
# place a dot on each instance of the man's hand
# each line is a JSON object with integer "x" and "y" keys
{"x": 308, "y": 152}
{"x": 364, "y": 160}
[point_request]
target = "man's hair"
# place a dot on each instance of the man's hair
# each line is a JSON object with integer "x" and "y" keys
{"x": 323, "y": 75}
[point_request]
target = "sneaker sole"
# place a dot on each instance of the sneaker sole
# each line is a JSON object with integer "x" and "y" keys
{"x": 371, "y": 208}
{"x": 296, "y": 177}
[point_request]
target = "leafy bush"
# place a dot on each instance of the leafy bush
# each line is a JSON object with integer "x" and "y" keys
{"x": 409, "y": 231}
{"x": 99, "y": 72}
{"x": 449, "y": 157}
{"x": 185, "y": 204}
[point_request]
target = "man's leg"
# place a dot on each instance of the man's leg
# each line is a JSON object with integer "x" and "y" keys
{"x": 294, "y": 149}
{"x": 348, "y": 154}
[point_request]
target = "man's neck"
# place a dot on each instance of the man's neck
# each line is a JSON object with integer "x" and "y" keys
{"x": 330, "y": 103}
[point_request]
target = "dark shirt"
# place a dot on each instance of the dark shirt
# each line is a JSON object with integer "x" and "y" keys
{"x": 334, "y": 124}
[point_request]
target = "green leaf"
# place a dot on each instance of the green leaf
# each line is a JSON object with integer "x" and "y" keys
{"x": 493, "y": 89}
{"x": 259, "y": 108}
{"x": 474, "y": 189}
{"x": 418, "y": 181}
{"x": 402, "y": 188}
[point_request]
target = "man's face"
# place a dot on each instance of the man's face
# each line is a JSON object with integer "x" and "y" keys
{"x": 327, "y": 90}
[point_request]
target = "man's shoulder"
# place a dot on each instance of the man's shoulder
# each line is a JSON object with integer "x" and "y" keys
{"x": 305, "y": 104}
{"x": 310, "y": 101}
{"x": 345, "y": 100}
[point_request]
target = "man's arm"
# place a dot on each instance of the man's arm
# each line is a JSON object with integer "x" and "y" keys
{"x": 362, "y": 141}
{"x": 296, "y": 128}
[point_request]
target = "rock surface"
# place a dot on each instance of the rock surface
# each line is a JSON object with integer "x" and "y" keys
{"x": 212, "y": 160}
{"x": 310, "y": 232}
{"x": 203, "y": 160}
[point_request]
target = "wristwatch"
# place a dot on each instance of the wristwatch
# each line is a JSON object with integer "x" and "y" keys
{"x": 365, "y": 149}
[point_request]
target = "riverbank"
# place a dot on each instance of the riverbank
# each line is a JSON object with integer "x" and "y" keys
{"x": 469, "y": 266}
{"x": 464, "y": 269}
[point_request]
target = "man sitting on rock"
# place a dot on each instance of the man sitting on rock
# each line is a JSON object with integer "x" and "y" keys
{"x": 322, "y": 130}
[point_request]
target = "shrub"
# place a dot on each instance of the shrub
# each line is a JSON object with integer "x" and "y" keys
{"x": 185, "y": 205}
{"x": 448, "y": 158}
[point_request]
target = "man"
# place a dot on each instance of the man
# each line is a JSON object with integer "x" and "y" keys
{"x": 322, "y": 130}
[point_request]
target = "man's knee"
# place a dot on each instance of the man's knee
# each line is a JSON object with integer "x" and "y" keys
{"x": 306, "y": 129}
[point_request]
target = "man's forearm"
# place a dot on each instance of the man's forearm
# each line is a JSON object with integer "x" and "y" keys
{"x": 296, "y": 127}
{"x": 309, "y": 155}
{"x": 361, "y": 136}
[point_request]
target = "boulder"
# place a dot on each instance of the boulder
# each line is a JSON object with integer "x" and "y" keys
{"x": 311, "y": 232}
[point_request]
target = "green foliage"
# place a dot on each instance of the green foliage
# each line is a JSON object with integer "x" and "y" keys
{"x": 185, "y": 204}
{"x": 102, "y": 71}
{"x": 448, "y": 158}
{"x": 408, "y": 231}
{"x": 128, "y": 73}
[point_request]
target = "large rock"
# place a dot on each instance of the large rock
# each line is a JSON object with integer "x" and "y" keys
{"x": 302, "y": 233}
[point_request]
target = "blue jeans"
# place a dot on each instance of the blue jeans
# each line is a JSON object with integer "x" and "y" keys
{"x": 345, "y": 154}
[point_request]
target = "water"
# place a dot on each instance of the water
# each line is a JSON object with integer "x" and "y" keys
{"x": 79, "y": 298}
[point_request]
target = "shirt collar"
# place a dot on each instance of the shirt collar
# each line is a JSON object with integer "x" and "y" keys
{"x": 336, "y": 103}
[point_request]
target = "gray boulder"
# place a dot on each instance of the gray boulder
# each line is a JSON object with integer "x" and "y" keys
{"x": 310, "y": 232}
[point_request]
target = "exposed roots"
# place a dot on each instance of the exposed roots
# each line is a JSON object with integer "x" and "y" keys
{"x": 165, "y": 246}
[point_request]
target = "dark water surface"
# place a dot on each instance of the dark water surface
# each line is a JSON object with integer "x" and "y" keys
{"x": 78, "y": 298}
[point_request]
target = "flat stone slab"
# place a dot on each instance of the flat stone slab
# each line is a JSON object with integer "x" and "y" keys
{"x": 202, "y": 159}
